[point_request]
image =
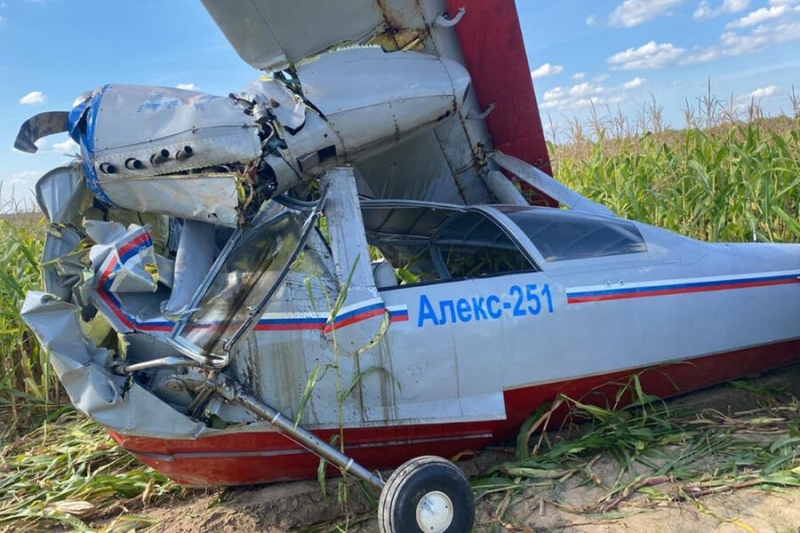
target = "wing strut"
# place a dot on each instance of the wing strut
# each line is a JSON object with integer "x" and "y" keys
{"x": 547, "y": 185}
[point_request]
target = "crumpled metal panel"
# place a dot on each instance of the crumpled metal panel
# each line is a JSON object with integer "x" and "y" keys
{"x": 94, "y": 390}
{"x": 287, "y": 107}
{"x": 61, "y": 271}
{"x": 207, "y": 197}
{"x": 125, "y": 257}
{"x": 62, "y": 194}
{"x": 125, "y": 284}
{"x": 132, "y": 138}
{"x": 193, "y": 261}
{"x": 130, "y": 113}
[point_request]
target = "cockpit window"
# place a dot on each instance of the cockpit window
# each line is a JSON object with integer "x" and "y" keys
{"x": 426, "y": 244}
{"x": 563, "y": 235}
{"x": 471, "y": 245}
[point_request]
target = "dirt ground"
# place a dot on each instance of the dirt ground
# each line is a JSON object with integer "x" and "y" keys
{"x": 301, "y": 507}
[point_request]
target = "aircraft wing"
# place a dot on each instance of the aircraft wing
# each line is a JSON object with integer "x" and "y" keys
{"x": 443, "y": 164}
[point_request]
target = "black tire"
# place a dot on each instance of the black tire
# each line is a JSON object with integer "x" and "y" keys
{"x": 438, "y": 481}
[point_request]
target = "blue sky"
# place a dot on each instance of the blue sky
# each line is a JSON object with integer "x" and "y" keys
{"x": 613, "y": 53}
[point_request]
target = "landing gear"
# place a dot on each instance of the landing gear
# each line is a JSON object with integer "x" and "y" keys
{"x": 426, "y": 495}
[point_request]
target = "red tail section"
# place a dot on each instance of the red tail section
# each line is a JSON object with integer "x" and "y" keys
{"x": 494, "y": 53}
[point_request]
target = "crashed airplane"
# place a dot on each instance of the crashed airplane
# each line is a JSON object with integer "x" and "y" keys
{"x": 348, "y": 247}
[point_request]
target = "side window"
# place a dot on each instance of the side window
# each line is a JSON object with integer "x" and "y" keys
{"x": 412, "y": 262}
{"x": 476, "y": 261}
{"x": 470, "y": 245}
{"x": 427, "y": 244}
{"x": 563, "y": 235}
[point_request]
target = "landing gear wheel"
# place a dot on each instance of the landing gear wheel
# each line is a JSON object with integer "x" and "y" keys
{"x": 426, "y": 495}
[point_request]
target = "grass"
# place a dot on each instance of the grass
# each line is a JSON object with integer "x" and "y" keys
{"x": 661, "y": 454}
{"x": 68, "y": 472}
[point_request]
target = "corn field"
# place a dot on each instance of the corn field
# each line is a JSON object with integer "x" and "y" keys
{"x": 27, "y": 386}
{"x": 735, "y": 186}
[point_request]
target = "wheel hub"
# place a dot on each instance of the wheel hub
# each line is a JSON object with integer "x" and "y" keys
{"x": 434, "y": 512}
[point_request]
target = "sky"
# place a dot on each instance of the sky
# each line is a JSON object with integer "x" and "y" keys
{"x": 615, "y": 54}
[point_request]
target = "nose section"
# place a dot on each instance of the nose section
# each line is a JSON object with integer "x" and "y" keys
{"x": 459, "y": 78}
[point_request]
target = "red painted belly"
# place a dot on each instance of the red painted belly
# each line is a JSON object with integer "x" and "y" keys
{"x": 247, "y": 458}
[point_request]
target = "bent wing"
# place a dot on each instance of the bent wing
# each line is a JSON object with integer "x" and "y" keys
{"x": 449, "y": 162}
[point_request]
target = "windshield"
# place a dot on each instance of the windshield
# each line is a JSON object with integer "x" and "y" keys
{"x": 251, "y": 270}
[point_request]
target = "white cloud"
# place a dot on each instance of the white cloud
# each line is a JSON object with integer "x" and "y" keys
{"x": 600, "y": 78}
{"x": 585, "y": 89}
{"x": 783, "y": 2}
{"x": 734, "y": 44}
{"x": 68, "y": 147}
{"x": 618, "y": 99}
{"x": 33, "y": 98}
{"x": 579, "y": 76}
{"x": 634, "y": 83}
{"x": 705, "y": 11}
{"x": 758, "y": 16}
{"x": 591, "y": 20}
{"x": 734, "y": 6}
{"x": 771, "y": 32}
{"x": 634, "y": 12}
{"x": 703, "y": 56}
{"x": 187, "y": 86}
{"x": 761, "y": 92}
{"x": 648, "y": 56}
{"x": 580, "y": 95}
{"x": 547, "y": 70}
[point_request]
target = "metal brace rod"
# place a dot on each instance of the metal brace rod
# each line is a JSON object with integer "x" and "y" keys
{"x": 156, "y": 363}
{"x": 234, "y": 392}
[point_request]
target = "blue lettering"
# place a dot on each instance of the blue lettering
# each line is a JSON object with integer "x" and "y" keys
{"x": 464, "y": 310}
{"x": 517, "y": 290}
{"x": 494, "y": 313}
{"x": 449, "y": 305}
{"x": 477, "y": 309}
{"x": 426, "y": 312}
{"x": 531, "y": 296}
{"x": 546, "y": 293}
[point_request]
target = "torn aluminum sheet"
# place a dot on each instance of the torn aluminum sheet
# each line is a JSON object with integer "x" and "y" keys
{"x": 116, "y": 403}
{"x": 272, "y": 97}
{"x": 124, "y": 283}
{"x": 62, "y": 194}
{"x": 193, "y": 260}
{"x": 62, "y": 263}
{"x": 124, "y": 257}
{"x": 168, "y": 151}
